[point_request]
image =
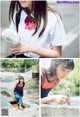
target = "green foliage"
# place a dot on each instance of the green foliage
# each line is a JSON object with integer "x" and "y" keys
{"x": 18, "y": 65}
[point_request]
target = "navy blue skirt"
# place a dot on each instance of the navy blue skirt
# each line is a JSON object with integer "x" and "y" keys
{"x": 17, "y": 56}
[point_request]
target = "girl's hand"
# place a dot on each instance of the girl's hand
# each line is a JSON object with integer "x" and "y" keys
{"x": 56, "y": 98}
{"x": 60, "y": 99}
{"x": 22, "y": 47}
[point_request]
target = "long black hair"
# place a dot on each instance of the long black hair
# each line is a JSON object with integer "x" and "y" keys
{"x": 39, "y": 9}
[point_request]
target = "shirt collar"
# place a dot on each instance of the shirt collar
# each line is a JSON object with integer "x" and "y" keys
{"x": 25, "y": 14}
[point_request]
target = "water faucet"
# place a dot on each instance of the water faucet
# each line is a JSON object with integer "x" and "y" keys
{"x": 68, "y": 95}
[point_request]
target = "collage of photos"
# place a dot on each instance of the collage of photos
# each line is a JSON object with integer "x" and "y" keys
{"x": 39, "y": 58}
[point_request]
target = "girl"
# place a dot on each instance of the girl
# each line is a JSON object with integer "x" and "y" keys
{"x": 18, "y": 91}
{"x": 57, "y": 71}
{"x": 39, "y": 27}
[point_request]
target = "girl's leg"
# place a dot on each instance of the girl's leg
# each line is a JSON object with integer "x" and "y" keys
{"x": 20, "y": 102}
{"x": 20, "y": 107}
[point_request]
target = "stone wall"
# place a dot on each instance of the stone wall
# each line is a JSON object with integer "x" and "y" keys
{"x": 58, "y": 111}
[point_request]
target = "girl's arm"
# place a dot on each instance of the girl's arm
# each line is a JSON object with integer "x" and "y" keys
{"x": 56, "y": 98}
{"x": 24, "y": 92}
{"x": 14, "y": 88}
{"x": 54, "y": 52}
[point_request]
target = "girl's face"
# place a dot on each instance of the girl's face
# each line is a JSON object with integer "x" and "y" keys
{"x": 26, "y": 3}
{"x": 62, "y": 72}
{"x": 21, "y": 80}
{"x": 50, "y": 79}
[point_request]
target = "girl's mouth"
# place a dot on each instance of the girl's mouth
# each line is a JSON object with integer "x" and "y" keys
{"x": 62, "y": 77}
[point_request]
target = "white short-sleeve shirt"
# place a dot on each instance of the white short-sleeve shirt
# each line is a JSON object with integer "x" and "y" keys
{"x": 54, "y": 34}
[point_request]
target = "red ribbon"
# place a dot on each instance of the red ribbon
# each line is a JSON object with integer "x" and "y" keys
{"x": 30, "y": 23}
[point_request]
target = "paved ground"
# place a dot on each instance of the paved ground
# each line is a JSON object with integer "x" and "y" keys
{"x": 70, "y": 16}
{"x": 58, "y": 111}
